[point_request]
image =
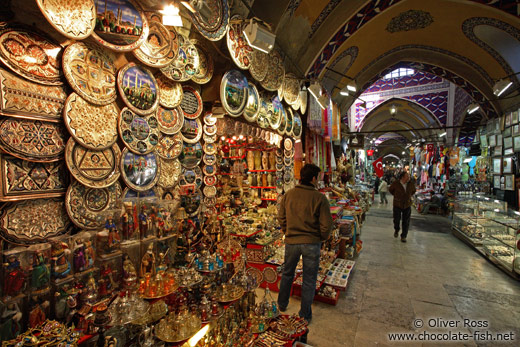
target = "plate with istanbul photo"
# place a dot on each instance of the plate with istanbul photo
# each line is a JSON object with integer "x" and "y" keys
{"x": 138, "y": 88}
{"x": 139, "y": 172}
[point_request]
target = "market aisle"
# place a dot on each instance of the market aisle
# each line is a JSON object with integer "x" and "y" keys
{"x": 433, "y": 275}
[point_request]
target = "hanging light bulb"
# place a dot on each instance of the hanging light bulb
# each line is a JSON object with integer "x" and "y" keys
{"x": 171, "y": 16}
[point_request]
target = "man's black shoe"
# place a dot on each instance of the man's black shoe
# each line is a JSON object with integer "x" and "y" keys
{"x": 396, "y": 234}
{"x": 403, "y": 239}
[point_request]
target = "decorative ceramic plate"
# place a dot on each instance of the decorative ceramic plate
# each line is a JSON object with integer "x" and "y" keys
{"x": 210, "y": 130}
{"x": 212, "y": 19}
{"x": 291, "y": 88}
{"x": 233, "y": 92}
{"x": 75, "y": 20}
{"x": 94, "y": 169}
{"x": 191, "y": 155}
{"x": 209, "y": 119}
{"x": 24, "y": 99}
{"x": 22, "y": 179}
{"x": 253, "y": 103}
{"x": 138, "y": 88}
{"x": 176, "y": 69}
{"x": 91, "y": 72}
{"x": 290, "y": 121}
{"x": 21, "y": 222}
{"x": 170, "y": 120}
{"x": 288, "y": 154}
{"x": 139, "y": 134}
{"x": 191, "y": 103}
{"x": 270, "y": 275}
{"x": 209, "y": 170}
{"x": 296, "y": 106}
{"x": 32, "y": 140}
{"x": 263, "y": 115}
{"x": 191, "y": 177}
{"x": 121, "y": 25}
{"x": 209, "y": 159}
{"x": 30, "y": 54}
{"x": 275, "y": 116}
{"x": 170, "y": 173}
{"x": 157, "y": 48}
{"x": 192, "y": 58}
{"x": 210, "y": 148}
{"x": 170, "y": 146}
{"x": 259, "y": 65}
{"x": 210, "y": 191}
{"x": 287, "y": 144}
{"x": 87, "y": 207}
{"x": 140, "y": 172}
{"x": 280, "y": 92}
{"x": 297, "y": 126}
{"x": 210, "y": 180}
{"x": 192, "y": 130}
{"x": 93, "y": 126}
{"x": 204, "y": 72}
{"x": 209, "y": 138}
{"x": 170, "y": 93}
{"x": 209, "y": 202}
{"x": 275, "y": 72}
{"x": 303, "y": 102}
{"x": 191, "y": 202}
{"x": 237, "y": 45}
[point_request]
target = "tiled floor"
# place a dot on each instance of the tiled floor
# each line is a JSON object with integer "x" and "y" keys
{"x": 433, "y": 275}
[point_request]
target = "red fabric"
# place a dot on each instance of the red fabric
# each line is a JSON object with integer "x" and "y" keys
{"x": 378, "y": 166}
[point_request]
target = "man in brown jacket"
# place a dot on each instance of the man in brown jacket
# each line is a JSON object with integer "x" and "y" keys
{"x": 402, "y": 189}
{"x": 304, "y": 215}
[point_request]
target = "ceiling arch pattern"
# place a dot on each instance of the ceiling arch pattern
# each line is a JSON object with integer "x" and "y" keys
{"x": 323, "y": 15}
{"x": 391, "y": 136}
{"x": 293, "y": 5}
{"x": 462, "y": 101}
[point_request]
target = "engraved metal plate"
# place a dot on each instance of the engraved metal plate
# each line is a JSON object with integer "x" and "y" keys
{"x": 170, "y": 146}
{"x": 291, "y": 88}
{"x": 140, "y": 172}
{"x": 275, "y": 72}
{"x": 170, "y": 120}
{"x": 212, "y": 19}
{"x": 210, "y": 191}
{"x": 73, "y": 19}
{"x": 259, "y": 65}
{"x": 170, "y": 93}
{"x": 204, "y": 71}
{"x": 233, "y": 92}
{"x": 139, "y": 134}
{"x": 191, "y": 103}
{"x": 138, "y": 88}
{"x": 157, "y": 48}
{"x": 170, "y": 173}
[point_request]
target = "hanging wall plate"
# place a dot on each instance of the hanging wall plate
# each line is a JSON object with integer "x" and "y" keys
{"x": 209, "y": 138}
{"x": 87, "y": 207}
{"x": 191, "y": 103}
{"x": 209, "y": 159}
{"x": 140, "y": 172}
{"x": 204, "y": 71}
{"x": 210, "y": 180}
{"x": 170, "y": 120}
{"x": 291, "y": 89}
{"x": 213, "y": 22}
{"x": 210, "y": 119}
{"x": 275, "y": 72}
{"x": 263, "y": 115}
{"x": 288, "y": 144}
{"x": 91, "y": 72}
{"x": 210, "y": 191}
{"x": 123, "y": 33}
{"x": 191, "y": 155}
{"x": 259, "y": 65}
{"x": 94, "y": 169}
{"x": 277, "y": 110}
{"x": 157, "y": 48}
{"x": 30, "y": 54}
{"x": 138, "y": 88}
{"x": 237, "y": 45}
{"x": 303, "y": 101}
{"x": 170, "y": 173}
{"x": 74, "y": 20}
{"x": 191, "y": 131}
{"x": 139, "y": 134}
{"x": 253, "y": 103}
{"x": 233, "y": 92}
{"x": 210, "y": 148}
{"x": 210, "y": 130}
{"x": 290, "y": 122}
{"x": 175, "y": 71}
{"x": 169, "y": 146}
{"x": 192, "y": 58}
{"x": 170, "y": 92}
{"x": 209, "y": 170}
{"x": 297, "y": 126}
{"x": 191, "y": 177}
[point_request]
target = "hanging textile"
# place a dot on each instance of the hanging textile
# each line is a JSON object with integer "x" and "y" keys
{"x": 314, "y": 115}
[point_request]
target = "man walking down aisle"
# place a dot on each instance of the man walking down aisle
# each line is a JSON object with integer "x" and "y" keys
{"x": 383, "y": 189}
{"x": 402, "y": 189}
{"x": 304, "y": 215}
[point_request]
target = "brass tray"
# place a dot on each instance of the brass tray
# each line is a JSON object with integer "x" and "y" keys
{"x": 138, "y": 88}
{"x": 140, "y": 172}
{"x": 191, "y": 103}
{"x": 33, "y": 221}
{"x": 173, "y": 338}
{"x": 191, "y": 130}
{"x": 291, "y": 88}
{"x": 41, "y": 141}
{"x": 94, "y": 169}
{"x": 87, "y": 207}
{"x": 275, "y": 72}
{"x": 93, "y": 126}
{"x": 259, "y": 65}
{"x": 30, "y": 54}
{"x": 91, "y": 72}
{"x": 253, "y": 103}
{"x": 24, "y": 99}
{"x": 170, "y": 93}
{"x": 169, "y": 146}
{"x": 191, "y": 155}
{"x": 170, "y": 120}
{"x": 233, "y": 92}
{"x": 156, "y": 50}
{"x": 22, "y": 179}
{"x": 170, "y": 173}
{"x": 213, "y": 20}
{"x": 73, "y": 19}
{"x": 139, "y": 134}
{"x": 237, "y": 45}
{"x": 204, "y": 72}
{"x": 133, "y": 25}
{"x": 230, "y": 293}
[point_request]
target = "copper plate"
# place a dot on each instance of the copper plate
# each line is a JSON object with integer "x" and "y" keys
{"x": 30, "y": 54}
{"x": 94, "y": 127}
{"x": 170, "y": 120}
{"x": 132, "y": 23}
{"x": 157, "y": 48}
{"x": 291, "y": 88}
{"x": 94, "y": 169}
{"x": 140, "y": 172}
{"x": 191, "y": 177}
{"x": 170, "y": 173}
{"x": 275, "y": 72}
{"x": 23, "y": 99}
{"x": 32, "y": 140}
{"x": 91, "y": 72}
{"x": 212, "y": 20}
{"x": 237, "y": 45}
{"x": 33, "y": 221}
{"x": 204, "y": 72}
{"x": 170, "y": 93}
{"x": 138, "y": 88}
{"x": 170, "y": 146}
{"x": 191, "y": 155}
{"x": 87, "y": 207}
{"x": 259, "y": 65}
{"x": 139, "y": 134}
{"x": 73, "y": 19}
{"x": 191, "y": 130}
{"x": 233, "y": 92}
{"x": 253, "y": 103}
{"x": 191, "y": 103}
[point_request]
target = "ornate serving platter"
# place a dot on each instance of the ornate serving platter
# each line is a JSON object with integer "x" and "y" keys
{"x": 138, "y": 88}
{"x": 253, "y": 103}
{"x": 120, "y": 25}
{"x": 204, "y": 72}
{"x": 275, "y": 72}
{"x": 291, "y": 88}
{"x": 22, "y": 179}
{"x": 30, "y": 54}
{"x": 24, "y": 99}
{"x": 170, "y": 93}
{"x": 191, "y": 103}
{"x": 297, "y": 126}
{"x": 233, "y": 92}
{"x": 191, "y": 155}
{"x": 212, "y": 19}
{"x": 94, "y": 169}
{"x": 170, "y": 120}
{"x": 157, "y": 48}
{"x": 139, "y": 134}
{"x": 87, "y": 207}
{"x": 170, "y": 172}
{"x": 140, "y": 172}
{"x": 91, "y": 72}
{"x": 32, "y": 140}
{"x": 73, "y": 19}
{"x": 237, "y": 45}
{"x": 93, "y": 126}
{"x": 192, "y": 130}
{"x": 33, "y": 221}
{"x": 259, "y": 65}
{"x": 170, "y": 146}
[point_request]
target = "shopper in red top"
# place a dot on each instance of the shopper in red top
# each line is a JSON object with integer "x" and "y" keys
{"x": 402, "y": 189}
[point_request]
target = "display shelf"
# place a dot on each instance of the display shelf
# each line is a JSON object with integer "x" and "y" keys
{"x": 249, "y": 235}
{"x": 266, "y": 199}
{"x": 258, "y": 187}
{"x": 261, "y": 170}
{"x": 235, "y": 157}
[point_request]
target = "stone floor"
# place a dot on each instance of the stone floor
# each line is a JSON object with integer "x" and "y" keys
{"x": 432, "y": 276}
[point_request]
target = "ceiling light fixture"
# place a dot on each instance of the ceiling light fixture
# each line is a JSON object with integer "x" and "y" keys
{"x": 344, "y": 91}
{"x": 393, "y": 110}
{"x": 171, "y": 16}
{"x": 259, "y": 36}
{"x": 443, "y": 134}
{"x": 472, "y": 108}
{"x": 351, "y": 86}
